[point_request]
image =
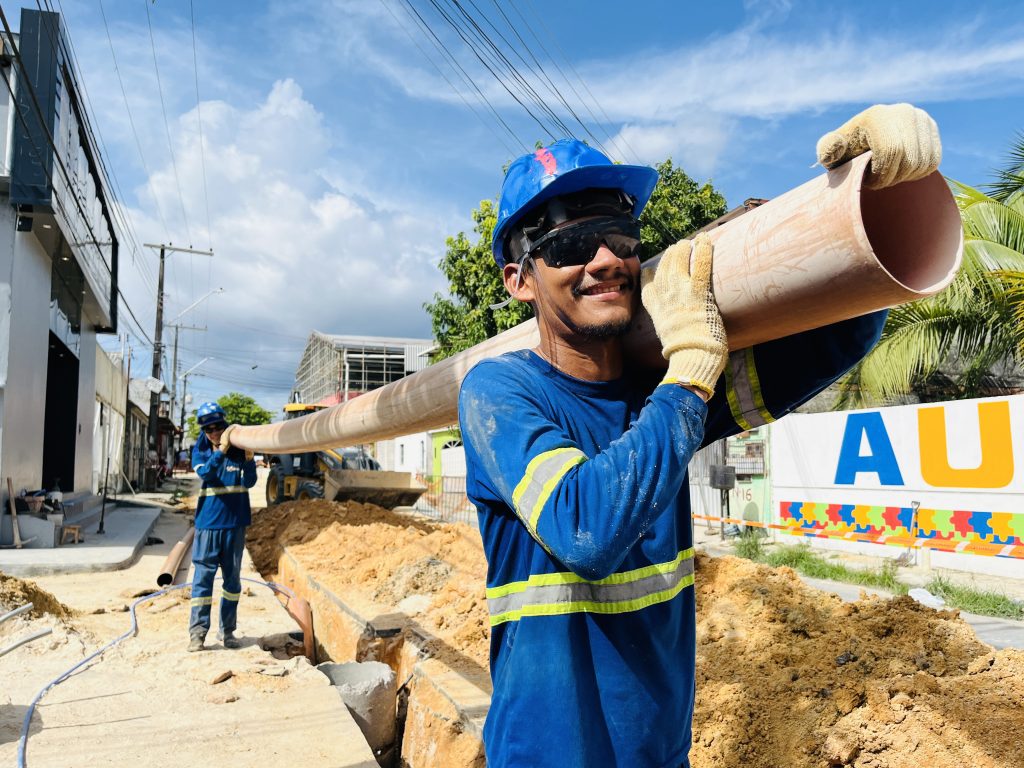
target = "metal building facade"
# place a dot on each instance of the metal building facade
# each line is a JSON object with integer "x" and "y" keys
{"x": 335, "y": 368}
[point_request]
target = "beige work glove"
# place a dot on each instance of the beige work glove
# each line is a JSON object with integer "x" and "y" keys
{"x": 225, "y": 442}
{"x": 225, "y": 438}
{"x": 904, "y": 142}
{"x": 685, "y": 315}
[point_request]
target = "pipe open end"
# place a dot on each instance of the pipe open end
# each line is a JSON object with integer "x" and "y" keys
{"x": 915, "y": 232}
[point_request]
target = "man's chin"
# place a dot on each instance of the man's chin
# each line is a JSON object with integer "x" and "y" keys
{"x": 606, "y": 330}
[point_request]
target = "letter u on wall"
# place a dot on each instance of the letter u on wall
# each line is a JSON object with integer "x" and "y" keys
{"x": 996, "y": 468}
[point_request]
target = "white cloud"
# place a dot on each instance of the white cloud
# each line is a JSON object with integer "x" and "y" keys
{"x": 293, "y": 251}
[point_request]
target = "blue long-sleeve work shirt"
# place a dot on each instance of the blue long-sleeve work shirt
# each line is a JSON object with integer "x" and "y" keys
{"x": 585, "y": 518}
{"x": 227, "y": 478}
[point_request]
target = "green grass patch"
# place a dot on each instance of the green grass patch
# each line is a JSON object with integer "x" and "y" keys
{"x": 802, "y": 559}
{"x": 748, "y": 546}
{"x": 975, "y": 600}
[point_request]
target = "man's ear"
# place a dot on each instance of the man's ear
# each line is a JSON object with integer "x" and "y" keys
{"x": 520, "y": 287}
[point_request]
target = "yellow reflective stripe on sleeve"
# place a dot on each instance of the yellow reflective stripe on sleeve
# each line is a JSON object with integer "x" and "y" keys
{"x": 743, "y": 390}
{"x": 543, "y": 473}
{"x": 224, "y": 490}
{"x": 233, "y": 596}
{"x": 552, "y": 594}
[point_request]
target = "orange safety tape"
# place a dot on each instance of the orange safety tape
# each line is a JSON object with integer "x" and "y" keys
{"x": 968, "y": 547}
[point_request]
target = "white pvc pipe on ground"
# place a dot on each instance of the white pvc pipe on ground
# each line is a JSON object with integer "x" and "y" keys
{"x": 829, "y": 250}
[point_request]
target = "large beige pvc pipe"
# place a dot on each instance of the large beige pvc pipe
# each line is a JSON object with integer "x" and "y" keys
{"x": 829, "y": 250}
{"x": 172, "y": 569}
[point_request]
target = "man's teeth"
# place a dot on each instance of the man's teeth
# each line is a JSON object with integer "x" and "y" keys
{"x": 602, "y": 289}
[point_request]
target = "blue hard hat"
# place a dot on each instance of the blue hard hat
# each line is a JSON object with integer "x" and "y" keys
{"x": 210, "y": 413}
{"x": 565, "y": 167}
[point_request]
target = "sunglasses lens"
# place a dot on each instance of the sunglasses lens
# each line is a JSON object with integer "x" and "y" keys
{"x": 576, "y": 245}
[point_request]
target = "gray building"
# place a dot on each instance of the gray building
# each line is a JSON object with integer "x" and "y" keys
{"x": 58, "y": 263}
{"x": 334, "y": 369}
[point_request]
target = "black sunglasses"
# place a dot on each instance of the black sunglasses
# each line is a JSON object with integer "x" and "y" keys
{"x": 577, "y": 244}
{"x": 220, "y": 426}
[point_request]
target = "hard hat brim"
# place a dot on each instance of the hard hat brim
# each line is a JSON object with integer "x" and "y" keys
{"x": 637, "y": 181}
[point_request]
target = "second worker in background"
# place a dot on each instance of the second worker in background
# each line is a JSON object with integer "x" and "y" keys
{"x": 222, "y": 515}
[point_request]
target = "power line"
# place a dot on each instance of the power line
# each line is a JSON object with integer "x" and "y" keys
{"x": 199, "y": 119}
{"x": 167, "y": 127}
{"x": 36, "y": 150}
{"x": 519, "y": 81}
{"x": 568, "y": 61}
{"x": 480, "y": 58}
{"x": 480, "y": 117}
{"x": 131, "y": 122}
{"x": 116, "y": 193}
{"x": 443, "y": 49}
{"x": 540, "y": 68}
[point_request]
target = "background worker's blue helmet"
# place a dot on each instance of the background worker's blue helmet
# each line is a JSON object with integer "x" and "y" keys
{"x": 210, "y": 413}
{"x": 565, "y": 167}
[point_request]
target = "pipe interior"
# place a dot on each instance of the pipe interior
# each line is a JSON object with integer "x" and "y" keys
{"x": 915, "y": 231}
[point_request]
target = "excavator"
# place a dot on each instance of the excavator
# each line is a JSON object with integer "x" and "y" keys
{"x": 342, "y": 474}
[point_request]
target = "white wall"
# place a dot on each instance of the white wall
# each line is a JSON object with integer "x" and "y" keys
{"x": 25, "y": 267}
{"x": 86, "y": 410}
{"x": 108, "y": 423}
{"x": 410, "y": 453}
{"x": 980, "y": 469}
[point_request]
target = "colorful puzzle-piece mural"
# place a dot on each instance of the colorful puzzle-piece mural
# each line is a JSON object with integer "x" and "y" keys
{"x": 901, "y": 523}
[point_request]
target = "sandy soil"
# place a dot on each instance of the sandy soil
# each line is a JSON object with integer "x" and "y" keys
{"x": 786, "y": 676}
{"x": 382, "y": 562}
{"x": 147, "y": 702}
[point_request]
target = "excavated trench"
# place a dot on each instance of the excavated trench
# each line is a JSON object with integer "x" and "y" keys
{"x": 786, "y": 675}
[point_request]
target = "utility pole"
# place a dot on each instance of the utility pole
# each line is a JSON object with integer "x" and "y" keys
{"x": 154, "y": 397}
{"x": 178, "y": 327}
{"x": 174, "y": 371}
{"x": 184, "y": 397}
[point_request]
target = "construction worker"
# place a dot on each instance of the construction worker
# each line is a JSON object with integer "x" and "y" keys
{"x": 577, "y": 461}
{"x": 222, "y": 515}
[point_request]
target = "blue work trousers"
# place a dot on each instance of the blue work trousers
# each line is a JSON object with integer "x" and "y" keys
{"x": 213, "y": 549}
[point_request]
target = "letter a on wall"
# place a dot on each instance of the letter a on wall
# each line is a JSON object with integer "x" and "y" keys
{"x": 880, "y": 460}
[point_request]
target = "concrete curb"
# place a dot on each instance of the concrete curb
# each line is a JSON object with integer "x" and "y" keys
{"x": 119, "y": 551}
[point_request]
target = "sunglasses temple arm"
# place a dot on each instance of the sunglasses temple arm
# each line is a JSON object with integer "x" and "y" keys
{"x": 510, "y": 299}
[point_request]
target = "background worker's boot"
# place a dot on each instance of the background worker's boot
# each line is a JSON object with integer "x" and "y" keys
{"x": 195, "y": 642}
{"x": 229, "y": 640}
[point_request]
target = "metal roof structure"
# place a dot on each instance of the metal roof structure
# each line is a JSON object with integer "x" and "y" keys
{"x": 335, "y": 368}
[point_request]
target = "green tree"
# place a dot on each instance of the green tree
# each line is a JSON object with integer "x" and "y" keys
{"x": 239, "y": 408}
{"x": 463, "y": 319}
{"x": 963, "y": 342}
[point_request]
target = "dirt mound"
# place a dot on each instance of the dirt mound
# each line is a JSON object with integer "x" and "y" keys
{"x": 786, "y": 675}
{"x": 15, "y": 592}
{"x": 376, "y": 558}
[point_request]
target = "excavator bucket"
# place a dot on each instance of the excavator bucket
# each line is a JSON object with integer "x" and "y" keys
{"x": 385, "y": 489}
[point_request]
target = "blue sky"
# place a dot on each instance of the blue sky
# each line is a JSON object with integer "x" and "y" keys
{"x": 337, "y": 156}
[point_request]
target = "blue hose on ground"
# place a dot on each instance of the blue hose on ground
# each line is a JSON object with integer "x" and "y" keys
{"x": 26, "y": 723}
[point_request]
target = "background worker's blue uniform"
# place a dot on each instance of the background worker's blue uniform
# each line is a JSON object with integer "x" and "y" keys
{"x": 585, "y": 518}
{"x": 222, "y": 515}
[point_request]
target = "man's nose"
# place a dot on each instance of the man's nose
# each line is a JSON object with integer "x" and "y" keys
{"x": 605, "y": 258}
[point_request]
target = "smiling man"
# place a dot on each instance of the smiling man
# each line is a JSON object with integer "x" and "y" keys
{"x": 576, "y": 460}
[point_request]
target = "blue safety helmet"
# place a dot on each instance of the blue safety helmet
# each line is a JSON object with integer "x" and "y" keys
{"x": 565, "y": 167}
{"x": 210, "y": 413}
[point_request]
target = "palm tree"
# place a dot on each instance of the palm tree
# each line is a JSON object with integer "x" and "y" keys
{"x": 965, "y": 341}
